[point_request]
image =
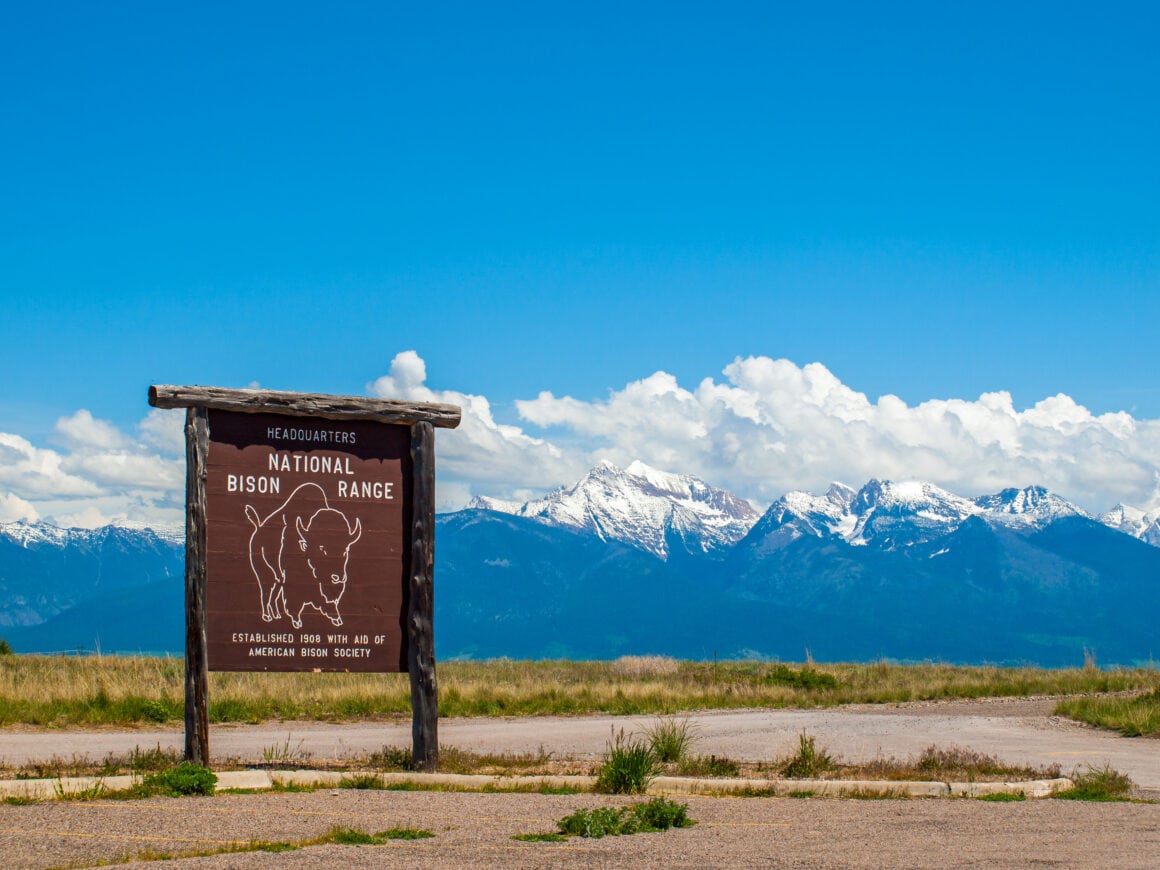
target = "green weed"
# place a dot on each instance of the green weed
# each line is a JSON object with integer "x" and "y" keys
{"x": 1097, "y": 784}
{"x": 671, "y": 739}
{"x": 183, "y": 780}
{"x": 404, "y": 834}
{"x": 659, "y": 814}
{"x": 629, "y": 766}
{"x": 354, "y": 837}
{"x": 808, "y": 762}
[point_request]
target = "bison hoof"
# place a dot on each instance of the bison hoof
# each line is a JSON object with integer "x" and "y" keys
{"x": 297, "y": 623}
{"x": 337, "y": 620}
{"x": 267, "y": 617}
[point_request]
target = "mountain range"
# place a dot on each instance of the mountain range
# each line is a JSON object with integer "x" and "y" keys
{"x": 637, "y": 560}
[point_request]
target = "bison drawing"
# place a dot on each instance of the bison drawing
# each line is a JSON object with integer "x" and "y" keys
{"x": 298, "y": 555}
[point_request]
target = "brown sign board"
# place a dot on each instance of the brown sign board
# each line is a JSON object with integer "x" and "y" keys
{"x": 307, "y": 543}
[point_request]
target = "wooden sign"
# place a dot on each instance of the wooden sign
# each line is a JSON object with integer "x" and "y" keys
{"x": 309, "y": 541}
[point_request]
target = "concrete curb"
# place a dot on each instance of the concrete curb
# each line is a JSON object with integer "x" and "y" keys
{"x": 76, "y": 786}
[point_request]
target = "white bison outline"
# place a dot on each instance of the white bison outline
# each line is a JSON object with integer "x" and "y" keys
{"x": 303, "y": 563}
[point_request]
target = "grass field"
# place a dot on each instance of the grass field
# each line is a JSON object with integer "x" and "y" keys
{"x": 63, "y": 691}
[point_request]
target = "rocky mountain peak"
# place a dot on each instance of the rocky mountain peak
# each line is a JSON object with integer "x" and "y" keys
{"x": 644, "y": 507}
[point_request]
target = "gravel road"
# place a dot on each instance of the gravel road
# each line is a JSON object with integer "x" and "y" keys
{"x": 1019, "y": 731}
{"x": 474, "y": 830}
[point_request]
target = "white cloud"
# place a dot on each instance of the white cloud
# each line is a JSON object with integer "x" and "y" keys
{"x": 84, "y": 431}
{"x": 772, "y": 426}
{"x": 13, "y": 508}
{"x": 164, "y": 429}
{"x": 35, "y": 471}
{"x": 766, "y": 427}
{"x": 481, "y": 454}
{"x": 97, "y": 474}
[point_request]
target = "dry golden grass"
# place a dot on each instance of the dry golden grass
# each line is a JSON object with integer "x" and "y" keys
{"x": 47, "y": 690}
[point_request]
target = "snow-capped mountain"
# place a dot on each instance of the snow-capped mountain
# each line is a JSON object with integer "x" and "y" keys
{"x": 643, "y": 507}
{"x": 1032, "y": 507}
{"x": 890, "y": 514}
{"x": 1144, "y": 525}
{"x": 45, "y": 570}
{"x": 37, "y": 534}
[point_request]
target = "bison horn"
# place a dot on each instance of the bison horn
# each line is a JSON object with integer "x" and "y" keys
{"x": 356, "y": 532}
{"x": 301, "y": 532}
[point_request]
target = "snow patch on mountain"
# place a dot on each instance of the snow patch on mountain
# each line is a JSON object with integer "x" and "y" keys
{"x": 1032, "y": 506}
{"x": 1133, "y": 521}
{"x": 641, "y": 506}
{"x": 37, "y": 534}
{"x": 888, "y": 514}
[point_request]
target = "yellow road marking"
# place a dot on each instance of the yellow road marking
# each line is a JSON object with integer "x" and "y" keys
{"x": 185, "y": 810}
{"x": 19, "y": 832}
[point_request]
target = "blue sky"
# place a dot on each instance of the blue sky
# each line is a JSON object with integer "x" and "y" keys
{"x": 933, "y": 201}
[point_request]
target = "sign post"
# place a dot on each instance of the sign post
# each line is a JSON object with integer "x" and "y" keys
{"x": 310, "y": 525}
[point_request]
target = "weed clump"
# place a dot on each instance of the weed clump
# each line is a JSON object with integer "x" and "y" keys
{"x": 355, "y": 837}
{"x": 1098, "y": 784}
{"x": 960, "y": 763}
{"x": 629, "y": 766}
{"x": 671, "y": 739}
{"x": 808, "y": 762}
{"x": 183, "y": 780}
{"x": 659, "y": 814}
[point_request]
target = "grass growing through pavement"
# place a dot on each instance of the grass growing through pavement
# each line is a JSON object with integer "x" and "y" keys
{"x": 64, "y": 690}
{"x": 809, "y": 761}
{"x": 1097, "y": 784}
{"x": 629, "y": 766}
{"x": 671, "y": 739}
{"x": 339, "y": 835}
{"x": 658, "y": 814}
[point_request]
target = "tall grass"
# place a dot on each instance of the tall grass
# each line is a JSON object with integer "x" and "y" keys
{"x": 48, "y": 690}
{"x": 1134, "y": 716}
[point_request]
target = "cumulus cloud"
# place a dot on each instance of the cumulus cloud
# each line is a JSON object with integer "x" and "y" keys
{"x": 762, "y": 428}
{"x": 771, "y": 426}
{"x": 13, "y": 509}
{"x": 164, "y": 430}
{"x": 481, "y": 455}
{"x": 95, "y": 474}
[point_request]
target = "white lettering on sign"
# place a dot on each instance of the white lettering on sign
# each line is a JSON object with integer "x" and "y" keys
{"x": 366, "y": 489}
{"x": 322, "y": 436}
{"x": 251, "y": 637}
{"x": 310, "y": 463}
{"x": 253, "y": 483}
